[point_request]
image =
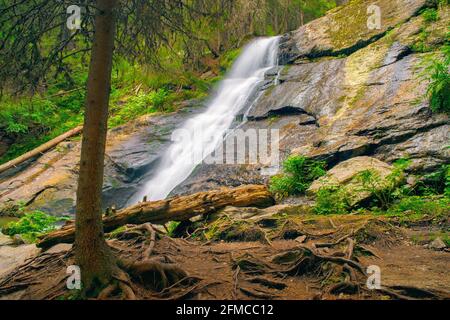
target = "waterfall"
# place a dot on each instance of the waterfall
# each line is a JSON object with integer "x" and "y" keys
{"x": 207, "y": 129}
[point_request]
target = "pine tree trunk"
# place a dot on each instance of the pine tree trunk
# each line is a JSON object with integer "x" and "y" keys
{"x": 92, "y": 254}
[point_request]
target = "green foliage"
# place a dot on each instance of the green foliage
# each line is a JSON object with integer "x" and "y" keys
{"x": 32, "y": 225}
{"x": 143, "y": 103}
{"x": 422, "y": 205}
{"x": 332, "y": 200}
{"x": 430, "y": 197}
{"x": 228, "y": 58}
{"x": 436, "y": 72}
{"x": 385, "y": 190}
{"x": 298, "y": 174}
{"x": 430, "y": 15}
{"x": 421, "y": 43}
{"x": 435, "y": 183}
{"x": 171, "y": 227}
{"x": 30, "y": 122}
{"x": 415, "y": 208}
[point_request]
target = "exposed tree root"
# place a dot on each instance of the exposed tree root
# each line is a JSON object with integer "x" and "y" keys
{"x": 267, "y": 283}
{"x": 153, "y": 274}
{"x": 151, "y": 265}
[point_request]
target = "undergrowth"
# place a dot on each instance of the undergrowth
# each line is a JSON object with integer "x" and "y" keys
{"x": 298, "y": 174}
{"x": 29, "y": 121}
{"x": 32, "y": 225}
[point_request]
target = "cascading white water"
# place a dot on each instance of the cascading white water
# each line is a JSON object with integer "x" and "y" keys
{"x": 207, "y": 129}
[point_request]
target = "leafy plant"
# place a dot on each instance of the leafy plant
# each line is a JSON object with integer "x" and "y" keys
{"x": 171, "y": 227}
{"x": 32, "y": 225}
{"x": 436, "y": 72}
{"x": 298, "y": 174}
{"x": 430, "y": 15}
{"x": 332, "y": 200}
{"x": 421, "y": 43}
{"x": 435, "y": 183}
{"x": 385, "y": 190}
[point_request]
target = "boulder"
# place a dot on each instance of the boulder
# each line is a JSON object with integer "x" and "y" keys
{"x": 12, "y": 257}
{"x": 345, "y": 173}
{"x": 437, "y": 244}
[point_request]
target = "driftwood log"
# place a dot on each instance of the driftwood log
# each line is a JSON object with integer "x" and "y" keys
{"x": 40, "y": 150}
{"x": 175, "y": 209}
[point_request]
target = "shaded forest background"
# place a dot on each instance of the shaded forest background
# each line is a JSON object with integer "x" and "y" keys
{"x": 48, "y": 99}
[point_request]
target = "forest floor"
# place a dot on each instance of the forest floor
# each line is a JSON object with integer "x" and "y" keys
{"x": 311, "y": 258}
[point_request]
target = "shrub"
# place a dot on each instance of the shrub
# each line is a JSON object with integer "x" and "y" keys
{"x": 435, "y": 183}
{"x": 172, "y": 227}
{"x": 32, "y": 225}
{"x": 430, "y": 15}
{"x": 332, "y": 200}
{"x": 298, "y": 174}
{"x": 386, "y": 190}
{"x": 436, "y": 72}
{"x": 138, "y": 105}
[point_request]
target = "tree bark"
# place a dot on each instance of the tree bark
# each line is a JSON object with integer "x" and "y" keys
{"x": 92, "y": 254}
{"x": 175, "y": 209}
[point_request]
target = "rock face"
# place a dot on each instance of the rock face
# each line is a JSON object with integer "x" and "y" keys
{"x": 345, "y": 29}
{"x": 49, "y": 182}
{"x": 348, "y": 91}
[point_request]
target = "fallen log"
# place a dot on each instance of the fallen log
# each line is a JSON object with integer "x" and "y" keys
{"x": 40, "y": 150}
{"x": 175, "y": 209}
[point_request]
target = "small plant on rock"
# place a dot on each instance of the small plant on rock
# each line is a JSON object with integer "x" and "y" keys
{"x": 385, "y": 190}
{"x": 298, "y": 174}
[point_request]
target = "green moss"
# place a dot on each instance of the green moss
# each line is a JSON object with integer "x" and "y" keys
{"x": 344, "y": 33}
{"x": 117, "y": 232}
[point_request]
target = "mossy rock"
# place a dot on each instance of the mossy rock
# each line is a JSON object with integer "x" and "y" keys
{"x": 345, "y": 175}
{"x": 345, "y": 29}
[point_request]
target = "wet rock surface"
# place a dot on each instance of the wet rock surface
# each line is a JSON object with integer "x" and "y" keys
{"x": 369, "y": 103}
{"x": 49, "y": 182}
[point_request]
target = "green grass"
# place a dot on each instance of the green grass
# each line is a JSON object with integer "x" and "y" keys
{"x": 417, "y": 208}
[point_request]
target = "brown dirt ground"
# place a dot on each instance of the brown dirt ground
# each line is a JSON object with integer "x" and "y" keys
{"x": 213, "y": 272}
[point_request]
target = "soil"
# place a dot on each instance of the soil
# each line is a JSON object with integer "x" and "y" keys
{"x": 272, "y": 269}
